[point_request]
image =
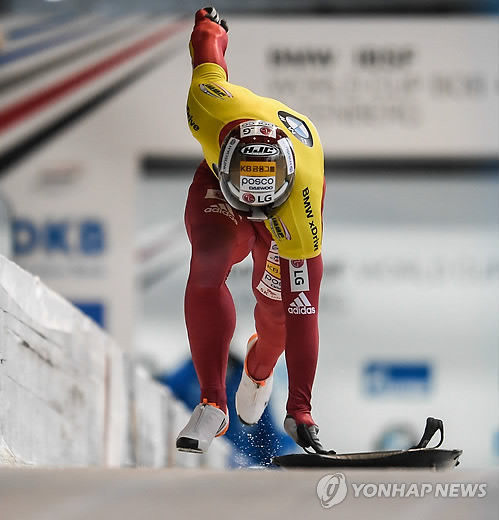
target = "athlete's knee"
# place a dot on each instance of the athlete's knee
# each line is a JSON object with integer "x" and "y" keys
{"x": 269, "y": 309}
{"x": 209, "y": 268}
{"x": 270, "y": 323}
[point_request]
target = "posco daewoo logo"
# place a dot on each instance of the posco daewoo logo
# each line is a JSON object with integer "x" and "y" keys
{"x": 261, "y": 184}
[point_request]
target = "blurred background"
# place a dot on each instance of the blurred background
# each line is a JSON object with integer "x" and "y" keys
{"x": 96, "y": 158}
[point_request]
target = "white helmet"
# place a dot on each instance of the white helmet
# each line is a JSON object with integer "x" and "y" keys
{"x": 256, "y": 168}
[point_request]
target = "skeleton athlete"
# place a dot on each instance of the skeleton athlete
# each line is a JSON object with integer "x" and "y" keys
{"x": 259, "y": 190}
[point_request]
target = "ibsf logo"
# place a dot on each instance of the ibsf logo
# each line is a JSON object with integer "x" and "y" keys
{"x": 332, "y": 490}
{"x": 373, "y": 57}
{"x": 263, "y": 150}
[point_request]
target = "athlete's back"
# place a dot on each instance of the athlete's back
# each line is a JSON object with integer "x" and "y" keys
{"x": 214, "y": 106}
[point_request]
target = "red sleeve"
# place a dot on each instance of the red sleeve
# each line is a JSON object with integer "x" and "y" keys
{"x": 208, "y": 42}
{"x": 300, "y": 298}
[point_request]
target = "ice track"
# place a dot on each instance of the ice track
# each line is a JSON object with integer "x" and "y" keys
{"x": 131, "y": 494}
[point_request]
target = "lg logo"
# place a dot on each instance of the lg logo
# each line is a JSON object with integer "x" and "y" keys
{"x": 298, "y": 273}
{"x": 257, "y": 198}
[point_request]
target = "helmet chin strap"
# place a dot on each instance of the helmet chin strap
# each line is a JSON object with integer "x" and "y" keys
{"x": 256, "y": 214}
{"x": 215, "y": 169}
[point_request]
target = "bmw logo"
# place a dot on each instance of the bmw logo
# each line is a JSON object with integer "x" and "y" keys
{"x": 297, "y": 127}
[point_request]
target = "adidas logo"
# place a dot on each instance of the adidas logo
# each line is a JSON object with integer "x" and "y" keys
{"x": 301, "y": 305}
{"x": 223, "y": 209}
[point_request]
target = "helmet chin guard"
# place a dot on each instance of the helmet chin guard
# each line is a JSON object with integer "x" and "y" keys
{"x": 256, "y": 168}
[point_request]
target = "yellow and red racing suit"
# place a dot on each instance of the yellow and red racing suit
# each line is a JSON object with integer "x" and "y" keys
{"x": 286, "y": 248}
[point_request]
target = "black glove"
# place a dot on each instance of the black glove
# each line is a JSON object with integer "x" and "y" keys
{"x": 213, "y": 15}
{"x": 305, "y": 436}
{"x": 308, "y": 438}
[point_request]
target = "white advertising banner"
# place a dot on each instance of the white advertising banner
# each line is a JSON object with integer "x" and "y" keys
{"x": 409, "y": 330}
{"x": 380, "y": 87}
{"x": 373, "y": 87}
{"x": 76, "y": 116}
{"x": 73, "y": 211}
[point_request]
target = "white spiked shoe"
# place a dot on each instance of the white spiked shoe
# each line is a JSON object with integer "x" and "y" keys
{"x": 206, "y": 423}
{"x": 252, "y": 396}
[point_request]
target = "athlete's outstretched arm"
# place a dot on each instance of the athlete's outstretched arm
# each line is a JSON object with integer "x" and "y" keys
{"x": 300, "y": 288}
{"x": 208, "y": 39}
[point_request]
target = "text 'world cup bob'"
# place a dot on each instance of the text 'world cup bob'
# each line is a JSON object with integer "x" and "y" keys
{"x": 256, "y": 168}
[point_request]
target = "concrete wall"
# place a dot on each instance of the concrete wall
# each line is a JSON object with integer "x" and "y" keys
{"x": 70, "y": 396}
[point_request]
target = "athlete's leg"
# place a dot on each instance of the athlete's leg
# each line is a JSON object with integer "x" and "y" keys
{"x": 219, "y": 238}
{"x": 269, "y": 315}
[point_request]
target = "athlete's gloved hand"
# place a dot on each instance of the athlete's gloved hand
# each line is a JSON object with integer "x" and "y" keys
{"x": 305, "y": 435}
{"x": 308, "y": 438}
{"x": 208, "y": 39}
{"x": 212, "y": 14}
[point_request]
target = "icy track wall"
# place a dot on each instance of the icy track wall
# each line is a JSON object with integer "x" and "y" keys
{"x": 69, "y": 396}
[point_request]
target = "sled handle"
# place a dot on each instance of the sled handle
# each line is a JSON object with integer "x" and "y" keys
{"x": 432, "y": 426}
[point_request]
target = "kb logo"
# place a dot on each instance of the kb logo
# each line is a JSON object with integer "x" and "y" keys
{"x": 332, "y": 489}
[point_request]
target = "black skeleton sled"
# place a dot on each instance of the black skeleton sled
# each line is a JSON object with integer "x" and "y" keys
{"x": 419, "y": 456}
